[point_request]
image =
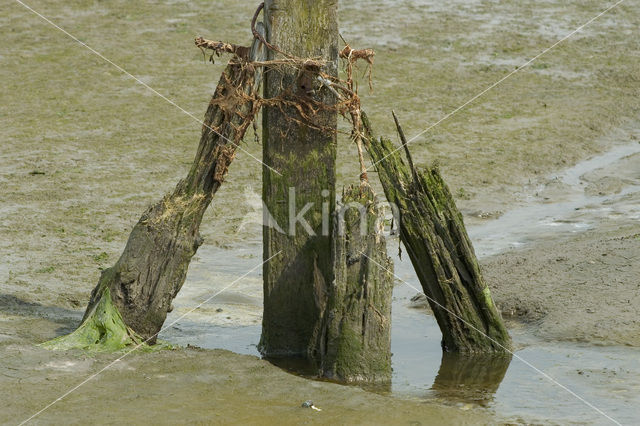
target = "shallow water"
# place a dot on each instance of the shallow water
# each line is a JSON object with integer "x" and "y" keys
{"x": 572, "y": 208}
{"x": 513, "y": 389}
{"x": 451, "y": 50}
{"x": 419, "y": 371}
{"x": 523, "y": 392}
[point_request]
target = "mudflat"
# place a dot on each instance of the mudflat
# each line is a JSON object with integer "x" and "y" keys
{"x": 84, "y": 149}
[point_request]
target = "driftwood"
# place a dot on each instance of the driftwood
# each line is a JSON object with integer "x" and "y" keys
{"x": 354, "y": 344}
{"x": 132, "y": 298}
{"x": 433, "y": 232}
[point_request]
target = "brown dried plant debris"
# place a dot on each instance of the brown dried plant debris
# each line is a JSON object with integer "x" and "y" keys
{"x": 346, "y": 91}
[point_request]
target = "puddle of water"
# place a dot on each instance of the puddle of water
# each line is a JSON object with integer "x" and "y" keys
{"x": 576, "y": 211}
{"x": 242, "y": 340}
{"x": 608, "y": 377}
{"x": 573, "y": 175}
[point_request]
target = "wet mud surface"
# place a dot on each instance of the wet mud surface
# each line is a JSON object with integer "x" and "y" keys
{"x": 544, "y": 168}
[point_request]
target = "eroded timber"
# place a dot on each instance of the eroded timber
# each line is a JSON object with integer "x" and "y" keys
{"x": 132, "y": 298}
{"x": 433, "y": 232}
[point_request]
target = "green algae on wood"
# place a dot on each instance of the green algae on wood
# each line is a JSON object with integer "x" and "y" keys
{"x": 133, "y": 297}
{"x": 103, "y": 329}
{"x": 354, "y": 344}
{"x": 433, "y": 232}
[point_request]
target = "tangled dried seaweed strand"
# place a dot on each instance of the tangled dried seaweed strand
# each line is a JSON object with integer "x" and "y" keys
{"x": 228, "y": 100}
{"x": 305, "y": 106}
{"x": 351, "y": 56}
{"x": 229, "y": 97}
{"x": 348, "y": 101}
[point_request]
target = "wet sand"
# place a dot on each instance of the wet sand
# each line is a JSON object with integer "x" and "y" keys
{"x": 191, "y": 386}
{"x": 582, "y": 289}
{"x": 83, "y": 150}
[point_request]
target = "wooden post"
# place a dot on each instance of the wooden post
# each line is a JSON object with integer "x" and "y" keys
{"x": 355, "y": 342}
{"x": 132, "y": 298}
{"x": 433, "y": 232}
{"x": 295, "y": 283}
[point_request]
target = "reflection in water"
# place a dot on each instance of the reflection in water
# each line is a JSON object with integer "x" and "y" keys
{"x": 300, "y": 366}
{"x": 608, "y": 374}
{"x": 310, "y": 369}
{"x": 461, "y": 378}
{"x": 470, "y": 378}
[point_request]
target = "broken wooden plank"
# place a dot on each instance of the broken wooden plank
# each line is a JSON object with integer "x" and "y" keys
{"x": 132, "y": 298}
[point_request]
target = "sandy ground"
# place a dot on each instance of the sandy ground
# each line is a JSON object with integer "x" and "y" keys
{"x": 84, "y": 149}
{"x": 578, "y": 288}
{"x": 584, "y": 289}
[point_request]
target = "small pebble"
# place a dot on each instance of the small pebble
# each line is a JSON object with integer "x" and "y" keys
{"x": 309, "y": 404}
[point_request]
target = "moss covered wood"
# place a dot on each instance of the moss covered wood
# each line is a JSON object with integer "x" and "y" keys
{"x": 104, "y": 329}
{"x": 354, "y": 344}
{"x": 305, "y": 156}
{"x": 134, "y": 296}
{"x": 433, "y": 232}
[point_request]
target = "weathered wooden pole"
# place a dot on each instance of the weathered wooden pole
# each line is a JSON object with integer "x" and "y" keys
{"x": 132, "y": 298}
{"x": 433, "y": 232}
{"x": 354, "y": 344}
{"x": 295, "y": 283}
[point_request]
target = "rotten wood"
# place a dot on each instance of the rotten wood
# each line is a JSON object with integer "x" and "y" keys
{"x": 302, "y": 146}
{"x": 153, "y": 266}
{"x": 354, "y": 344}
{"x": 433, "y": 232}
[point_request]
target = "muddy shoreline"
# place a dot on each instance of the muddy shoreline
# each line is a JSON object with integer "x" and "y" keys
{"x": 192, "y": 386}
{"x": 583, "y": 289}
{"x": 83, "y": 151}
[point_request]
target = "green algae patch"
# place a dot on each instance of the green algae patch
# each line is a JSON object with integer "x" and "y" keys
{"x": 103, "y": 330}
